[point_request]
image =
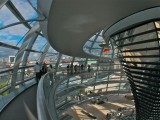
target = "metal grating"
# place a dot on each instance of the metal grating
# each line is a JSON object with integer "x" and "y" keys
{"x": 139, "y": 53}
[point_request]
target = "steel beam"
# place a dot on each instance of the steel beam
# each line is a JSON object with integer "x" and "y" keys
{"x": 20, "y": 54}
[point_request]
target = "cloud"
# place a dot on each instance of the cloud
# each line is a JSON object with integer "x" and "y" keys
{"x": 13, "y": 34}
{"x": 25, "y": 8}
{"x": 6, "y": 16}
{"x": 14, "y": 30}
{"x": 10, "y": 40}
{"x": 39, "y": 43}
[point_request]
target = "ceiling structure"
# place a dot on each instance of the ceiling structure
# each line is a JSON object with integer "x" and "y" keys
{"x": 68, "y": 25}
{"x": 71, "y": 23}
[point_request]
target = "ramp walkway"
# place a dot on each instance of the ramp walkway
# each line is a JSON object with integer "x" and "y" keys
{"x": 23, "y": 107}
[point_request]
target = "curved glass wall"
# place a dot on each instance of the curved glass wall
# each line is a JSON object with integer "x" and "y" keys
{"x": 22, "y": 44}
{"x": 78, "y": 89}
{"x": 25, "y": 8}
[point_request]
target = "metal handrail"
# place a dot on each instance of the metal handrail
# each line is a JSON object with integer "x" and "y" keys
{"x": 42, "y": 111}
{"x": 10, "y": 69}
{"x": 42, "y": 108}
{"x": 21, "y": 67}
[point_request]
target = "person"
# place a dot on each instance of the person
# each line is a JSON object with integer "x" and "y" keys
{"x": 108, "y": 116}
{"x": 82, "y": 66}
{"x": 51, "y": 70}
{"x": 68, "y": 67}
{"x": 89, "y": 68}
{"x": 90, "y": 92}
{"x": 119, "y": 115}
{"x": 37, "y": 71}
{"x": 119, "y": 109}
{"x": 44, "y": 69}
{"x": 75, "y": 69}
{"x": 71, "y": 69}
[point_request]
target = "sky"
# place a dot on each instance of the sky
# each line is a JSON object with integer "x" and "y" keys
{"x": 14, "y": 34}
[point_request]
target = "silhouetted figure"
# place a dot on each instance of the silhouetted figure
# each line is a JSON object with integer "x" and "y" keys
{"x": 119, "y": 109}
{"x": 90, "y": 92}
{"x": 68, "y": 67}
{"x": 119, "y": 115}
{"x": 89, "y": 68}
{"x": 82, "y": 67}
{"x": 108, "y": 116}
{"x": 44, "y": 69}
{"x": 71, "y": 68}
{"x": 37, "y": 71}
{"x": 79, "y": 97}
{"x": 75, "y": 68}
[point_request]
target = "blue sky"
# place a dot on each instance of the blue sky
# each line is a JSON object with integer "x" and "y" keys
{"x": 13, "y": 34}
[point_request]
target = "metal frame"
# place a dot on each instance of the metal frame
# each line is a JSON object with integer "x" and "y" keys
{"x": 20, "y": 54}
{"x": 143, "y": 75}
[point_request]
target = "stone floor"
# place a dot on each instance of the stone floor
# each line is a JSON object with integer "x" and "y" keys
{"x": 87, "y": 111}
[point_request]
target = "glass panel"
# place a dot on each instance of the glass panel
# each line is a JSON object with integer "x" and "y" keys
{"x": 6, "y": 17}
{"x": 143, "y": 28}
{"x": 13, "y": 34}
{"x": 32, "y": 23}
{"x": 146, "y": 27}
{"x": 20, "y": 42}
{"x": 39, "y": 44}
{"x": 7, "y": 57}
{"x": 96, "y": 51}
{"x": 92, "y": 38}
{"x": 34, "y": 3}
{"x": 65, "y": 60}
{"x": 99, "y": 39}
{"x": 5, "y": 80}
{"x": 96, "y": 45}
{"x": 88, "y": 43}
{"x": 52, "y": 50}
{"x": 51, "y": 57}
{"x": 141, "y": 38}
{"x": 25, "y": 9}
{"x": 101, "y": 33}
{"x": 34, "y": 56}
